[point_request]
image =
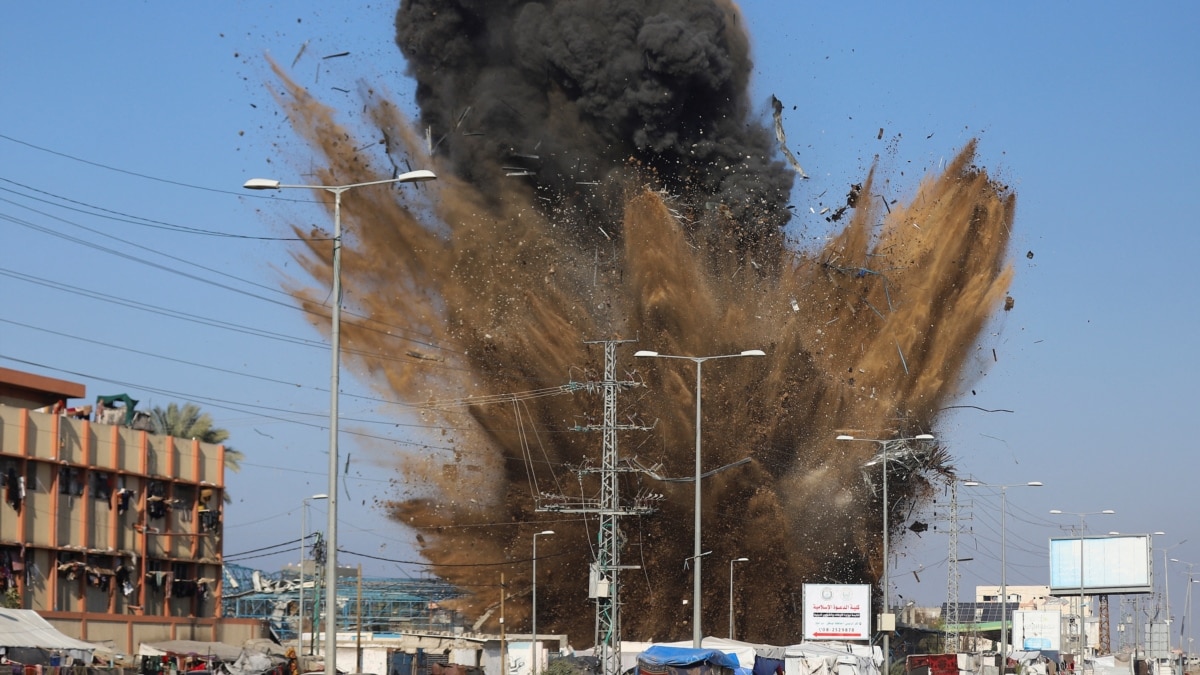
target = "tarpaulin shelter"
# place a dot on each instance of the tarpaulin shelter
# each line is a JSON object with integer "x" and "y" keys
{"x": 1037, "y": 661}
{"x": 663, "y": 660}
{"x": 27, "y": 638}
{"x": 250, "y": 659}
{"x": 103, "y": 402}
{"x": 833, "y": 658}
{"x": 195, "y": 648}
{"x": 752, "y": 657}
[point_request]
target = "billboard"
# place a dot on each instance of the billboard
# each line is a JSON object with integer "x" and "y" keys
{"x": 1101, "y": 565}
{"x": 837, "y": 612}
{"x": 1037, "y": 629}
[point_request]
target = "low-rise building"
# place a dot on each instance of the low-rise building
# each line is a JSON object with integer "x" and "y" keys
{"x": 108, "y": 532}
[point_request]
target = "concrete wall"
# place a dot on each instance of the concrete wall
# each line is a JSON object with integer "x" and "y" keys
{"x": 130, "y": 631}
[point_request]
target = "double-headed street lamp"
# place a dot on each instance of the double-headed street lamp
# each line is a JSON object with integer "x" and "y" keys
{"x": 1082, "y": 530}
{"x": 884, "y": 452}
{"x": 1003, "y": 555}
{"x": 731, "y": 562}
{"x": 335, "y": 371}
{"x": 534, "y": 651}
{"x": 697, "y": 635}
{"x": 303, "y": 536}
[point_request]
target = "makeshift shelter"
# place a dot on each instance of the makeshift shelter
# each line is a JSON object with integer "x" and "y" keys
{"x": 27, "y": 638}
{"x": 752, "y": 657}
{"x": 663, "y": 660}
{"x": 1036, "y": 661}
{"x": 250, "y": 659}
{"x": 1113, "y": 664}
{"x": 832, "y": 658}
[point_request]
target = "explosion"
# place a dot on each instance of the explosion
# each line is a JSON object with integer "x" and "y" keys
{"x": 602, "y": 176}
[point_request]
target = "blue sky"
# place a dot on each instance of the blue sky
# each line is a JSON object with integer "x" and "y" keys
{"x": 159, "y": 112}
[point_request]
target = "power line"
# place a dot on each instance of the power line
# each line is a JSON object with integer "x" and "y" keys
{"x": 126, "y": 171}
{"x": 118, "y": 216}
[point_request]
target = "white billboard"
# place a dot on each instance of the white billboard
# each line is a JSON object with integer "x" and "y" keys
{"x": 837, "y": 612}
{"x": 1037, "y": 629}
{"x": 1101, "y": 565}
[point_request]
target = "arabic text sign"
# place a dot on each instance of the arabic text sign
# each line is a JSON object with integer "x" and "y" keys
{"x": 837, "y": 612}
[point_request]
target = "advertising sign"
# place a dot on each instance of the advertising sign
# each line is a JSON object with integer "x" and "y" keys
{"x": 1109, "y": 565}
{"x": 837, "y": 612}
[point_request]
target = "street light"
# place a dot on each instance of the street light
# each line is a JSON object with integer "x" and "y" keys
{"x": 1167, "y": 590}
{"x": 697, "y": 635}
{"x": 735, "y": 560}
{"x": 1003, "y": 555}
{"x": 1187, "y": 618}
{"x": 1187, "y": 607}
{"x": 883, "y": 444}
{"x": 303, "y": 536}
{"x": 335, "y": 370}
{"x": 534, "y": 651}
{"x": 1082, "y": 529}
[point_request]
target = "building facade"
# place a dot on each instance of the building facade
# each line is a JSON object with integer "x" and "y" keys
{"x": 109, "y": 532}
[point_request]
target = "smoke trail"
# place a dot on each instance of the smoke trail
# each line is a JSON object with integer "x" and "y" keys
{"x": 506, "y": 276}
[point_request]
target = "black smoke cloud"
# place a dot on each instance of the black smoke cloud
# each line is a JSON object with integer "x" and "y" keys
{"x": 582, "y": 91}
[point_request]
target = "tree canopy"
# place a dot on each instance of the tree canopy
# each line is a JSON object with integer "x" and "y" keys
{"x": 189, "y": 421}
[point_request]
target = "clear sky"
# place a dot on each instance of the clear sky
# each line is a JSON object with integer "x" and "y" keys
{"x": 125, "y": 124}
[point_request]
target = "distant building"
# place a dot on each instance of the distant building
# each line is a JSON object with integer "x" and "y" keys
{"x": 1024, "y": 597}
{"x": 109, "y": 532}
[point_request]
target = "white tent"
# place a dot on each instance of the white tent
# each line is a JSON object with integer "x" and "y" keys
{"x": 208, "y": 650}
{"x": 833, "y": 658}
{"x": 25, "y": 631}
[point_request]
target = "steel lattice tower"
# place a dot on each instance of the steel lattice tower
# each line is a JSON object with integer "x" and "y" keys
{"x": 951, "y": 618}
{"x": 604, "y": 579}
{"x": 1105, "y": 632}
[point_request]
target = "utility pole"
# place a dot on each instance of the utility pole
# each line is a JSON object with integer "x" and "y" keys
{"x": 604, "y": 577}
{"x": 503, "y": 635}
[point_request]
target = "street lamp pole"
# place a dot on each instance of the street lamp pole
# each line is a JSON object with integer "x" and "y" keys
{"x": 533, "y": 649}
{"x": 1167, "y": 591}
{"x": 303, "y": 536}
{"x": 697, "y": 634}
{"x": 1003, "y": 555}
{"x": 1187, "y": 610}
{"x": 1189, "y": 616}
{"x": 883, "y": 445}
{"x": 1082, "y": 529}
{"x": 731, "y": 562}
{"x": 335, "y": 371}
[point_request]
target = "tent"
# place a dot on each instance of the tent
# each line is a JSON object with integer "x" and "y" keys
{"x": 27, "y": 638}
{"x": 663, "y": 660}
{"x": 752, "y": 657}
{"x": 256, "y": 656}
{"x": 205, "y": 650}
{"x": 833, "y": 658}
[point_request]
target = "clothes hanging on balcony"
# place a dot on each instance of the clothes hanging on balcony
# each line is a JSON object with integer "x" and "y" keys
{"x": 210, "y": 520}
{"x": 124, "y": 497}
{"x": 156, "y": 507}
{"x": 14, "y": 489}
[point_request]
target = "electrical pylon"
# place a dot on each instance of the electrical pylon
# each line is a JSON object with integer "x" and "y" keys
{"x": 951, "y": 619}
{"x": 604, "y": 578}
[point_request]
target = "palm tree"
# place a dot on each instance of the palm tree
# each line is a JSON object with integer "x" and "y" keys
{"x": 189, "y": 422}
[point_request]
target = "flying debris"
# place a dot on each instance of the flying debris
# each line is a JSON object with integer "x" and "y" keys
{"x": 777, "y": 106}
{"x": 640, "y": 253}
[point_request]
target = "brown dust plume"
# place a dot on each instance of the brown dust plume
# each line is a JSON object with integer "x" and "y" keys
{"x": 564, "y": 213}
